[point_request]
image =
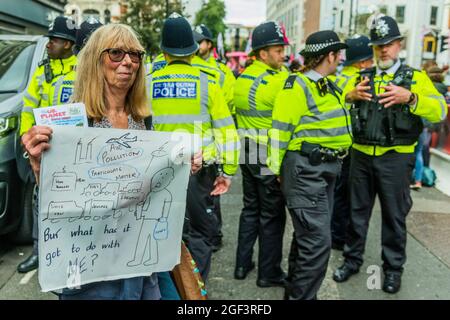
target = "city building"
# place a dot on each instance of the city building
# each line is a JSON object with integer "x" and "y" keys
{"x": 423, "y": 22}
{"x": 237, "y": 36}
{"x": 28, "y": 16}
{"x": 106, "y": 11}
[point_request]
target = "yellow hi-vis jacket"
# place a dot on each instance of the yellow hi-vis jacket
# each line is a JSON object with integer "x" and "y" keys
{"x": 344, "y": 78}
{"x": 301, "y": 114}
{"x": 40, "y": 93}
{"x": 254, "y": 96}
{"x": 430, "y": 105}
{"x": 221, "y": 73}
{"x": 186, "y": 98}
{"x": 228, "y": 83}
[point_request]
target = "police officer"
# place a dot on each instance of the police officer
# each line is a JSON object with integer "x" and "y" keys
{"x": 388, "y": 104}
{"x": 201, "y": 110}
{"x": 263, "y": 215}
{"x": 203, "y": 37}
{"x": 310, "y": 135}
{"x": 40, "y": 93}
{"x": 205, "y": 60}
{"x": 359, "y": 55}
{"x": 62, "y": 89}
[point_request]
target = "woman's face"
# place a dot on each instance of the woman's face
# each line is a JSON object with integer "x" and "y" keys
{"x": 120, "y": 67}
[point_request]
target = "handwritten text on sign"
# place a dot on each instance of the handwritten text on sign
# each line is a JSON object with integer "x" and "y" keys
{"x": 111, "y": 204}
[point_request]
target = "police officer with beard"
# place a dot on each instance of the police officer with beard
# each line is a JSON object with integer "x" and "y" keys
{"x": 388, "y": 104}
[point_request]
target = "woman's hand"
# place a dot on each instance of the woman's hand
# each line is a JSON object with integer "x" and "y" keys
{"x": 35, "y": 142}
{"x": 196, "y": 162}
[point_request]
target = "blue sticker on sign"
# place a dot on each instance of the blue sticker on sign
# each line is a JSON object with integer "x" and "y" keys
{"x": 175, "y": 90}
{"x": 66, "y": 93}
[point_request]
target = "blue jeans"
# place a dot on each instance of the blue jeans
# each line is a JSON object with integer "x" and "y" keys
{"x": 167, "y": 287}
{"x": 418, "y": 152}
{"x": 138, "y": 288}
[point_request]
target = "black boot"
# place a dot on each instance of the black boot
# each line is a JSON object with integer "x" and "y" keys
{"x": 31, "y": 263}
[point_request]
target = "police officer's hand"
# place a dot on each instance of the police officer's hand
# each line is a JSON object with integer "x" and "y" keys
{"x": 360, "y": 92}
{"x": 196, "y": 162}
{"x": 35, "y": 142}
{"x": 221, "y": 185}
{"x": 394, "y": 95}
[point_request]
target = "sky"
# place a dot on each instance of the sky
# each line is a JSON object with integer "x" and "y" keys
{"x": 246, "y": 12}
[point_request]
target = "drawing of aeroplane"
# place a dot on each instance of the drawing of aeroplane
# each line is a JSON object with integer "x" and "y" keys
{"x": 123, "y": 140}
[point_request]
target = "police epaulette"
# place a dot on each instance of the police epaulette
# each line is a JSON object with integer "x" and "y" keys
{"x": 209, "y": 74}
{"x": 334, "y": 87}
{"x": 271, "y": 72}
{"x": 43, "y": 61}
{"x": 289, "y": 84}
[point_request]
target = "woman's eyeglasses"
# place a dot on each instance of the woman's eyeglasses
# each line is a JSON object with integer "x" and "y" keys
{"x": 117, "y": 55}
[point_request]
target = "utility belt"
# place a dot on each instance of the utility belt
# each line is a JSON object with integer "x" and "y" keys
{"x": 318, "y": 154}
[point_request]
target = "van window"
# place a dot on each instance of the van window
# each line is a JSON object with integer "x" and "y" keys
{"x": 15, "y": 63}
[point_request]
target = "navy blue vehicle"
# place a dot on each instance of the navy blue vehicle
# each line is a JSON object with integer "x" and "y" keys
{"x": 19, "y": 57}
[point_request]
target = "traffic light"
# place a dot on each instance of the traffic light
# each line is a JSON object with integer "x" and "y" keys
{"x": 444, "y": 43}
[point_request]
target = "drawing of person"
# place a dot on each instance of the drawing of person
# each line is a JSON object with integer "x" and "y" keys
{"x": 153, "y": 212}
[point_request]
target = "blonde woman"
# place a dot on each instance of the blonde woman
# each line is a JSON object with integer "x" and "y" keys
{"x": 111, "y": 83}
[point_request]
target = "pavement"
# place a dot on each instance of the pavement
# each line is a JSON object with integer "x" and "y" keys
{"x": 426, "y": 275}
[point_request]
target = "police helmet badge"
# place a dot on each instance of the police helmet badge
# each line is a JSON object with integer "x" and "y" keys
{"x": 199, "y": 29}
{"x": 175, "y": 15}
{"x": 382, "y": 28}
{"x": 278, "y": 29}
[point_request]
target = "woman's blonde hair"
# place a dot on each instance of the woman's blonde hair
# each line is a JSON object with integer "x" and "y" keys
{"x": 90, "y": 81}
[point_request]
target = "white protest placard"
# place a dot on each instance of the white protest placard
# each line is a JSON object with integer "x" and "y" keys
{"x": 72, "y": 114}
{"x": 111, "y": 204}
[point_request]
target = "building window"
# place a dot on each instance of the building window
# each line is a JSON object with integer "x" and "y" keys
{"x": 434, "y": 14}
{"x": 342, "y": 19}
{"x": 383, "y": 9}
{"x": 91, "y": 13}
{"x": 400, "y": 14}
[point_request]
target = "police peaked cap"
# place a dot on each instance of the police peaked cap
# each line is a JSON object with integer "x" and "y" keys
{"x": 358, "y": 50}
{"x": 64, "y": 28}
{"x": 177, "y": 37}
{"x": 201, "y": 33}
{"x": 85, "y": 30}
{"x": 322, "y": 42}
{"x": 267, "y": 34}
{"x": 384, "y": 30}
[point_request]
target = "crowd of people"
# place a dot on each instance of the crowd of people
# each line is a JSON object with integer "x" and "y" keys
{"x": 319, "y": 142}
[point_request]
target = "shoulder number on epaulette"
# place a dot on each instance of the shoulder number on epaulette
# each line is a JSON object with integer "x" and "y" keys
{"x": 289, "y": 84}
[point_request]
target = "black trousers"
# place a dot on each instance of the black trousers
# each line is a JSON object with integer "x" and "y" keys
{"x": 341, "y": 207}
{"x": 264, "y": 218}
{"x": 309, "y": 192}
{"x": 201, "y": 221}
{"x": 218, "y": 235}
{"x": 387, "y": 176}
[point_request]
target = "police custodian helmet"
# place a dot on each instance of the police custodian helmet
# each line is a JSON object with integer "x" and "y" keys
{"x": 85, "y": 30}
{"x": 201, "y": 33}
{"x": 177, "y": 37}
{"x": 64, "y": 28}
{"x": 268, "y": 34}
{"x": 383, "y": 31}
{"x": 358, "y": 50}
{"x": 322, "y": 42}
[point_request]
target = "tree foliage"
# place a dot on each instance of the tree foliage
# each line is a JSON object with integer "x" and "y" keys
{"x": 146, "y": 17}
{"x": 212, "y": 15}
